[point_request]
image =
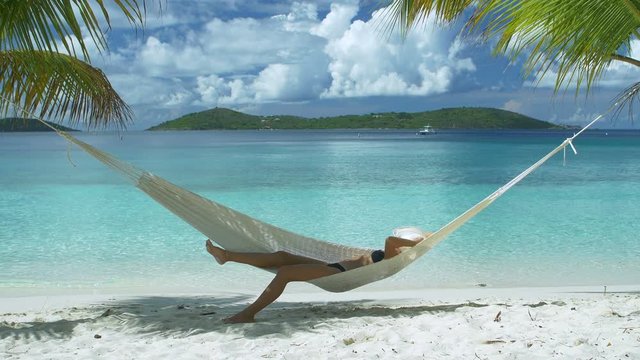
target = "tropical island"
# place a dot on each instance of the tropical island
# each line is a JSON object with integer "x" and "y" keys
{"x": 16, "y": 124}
{"x": 449, "y": 118}
{"x": 227, "y": 119}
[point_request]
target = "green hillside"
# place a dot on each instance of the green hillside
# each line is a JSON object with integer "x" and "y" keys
{"x": 218, "y": 118}
{"x": 453, "y": 118}
{"x": 27, "y": 125}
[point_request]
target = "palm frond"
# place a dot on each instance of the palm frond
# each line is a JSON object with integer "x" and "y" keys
{"x": 42, "y": 25}
{"x": 405, "y": 14}
{"x": 576, "y": 37}
{"x": 626, "y": 99}
{"x": 57, "y": 86}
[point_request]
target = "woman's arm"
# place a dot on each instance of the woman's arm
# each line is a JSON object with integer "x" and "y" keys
{"x": 394, "y": 245}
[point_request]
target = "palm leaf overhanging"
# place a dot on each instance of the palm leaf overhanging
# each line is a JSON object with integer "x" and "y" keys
{"x": 45, "y": 64}
{"x": 404, "y": 14}
{"x": 575, "y": 38}
{"x": 53, "y": 84}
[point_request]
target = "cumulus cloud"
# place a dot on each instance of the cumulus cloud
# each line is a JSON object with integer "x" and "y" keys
{"x": 290, "y": 57}
{"x": 288, "y": 83}
{"x": 302, "y": 17}
{"x": 153, "y": 91}
{"x": 579, "y": 117}
{"x": 363, "y": 63}
{"x": 336, "y": 22}
{"x": 513, "y": 105}
{"x": 221, "y": 47}
{"x": 259, "y": 55}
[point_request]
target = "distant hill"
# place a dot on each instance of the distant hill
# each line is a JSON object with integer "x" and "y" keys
{"x": 27, "y": 125}
{"x": 460, "y": 118}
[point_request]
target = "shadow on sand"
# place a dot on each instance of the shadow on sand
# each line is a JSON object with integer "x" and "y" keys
{"x": 183, "y": 316}
{"x": 186, "y": 316}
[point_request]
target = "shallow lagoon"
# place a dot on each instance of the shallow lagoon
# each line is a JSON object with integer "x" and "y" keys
{"x": 69, "y": 224}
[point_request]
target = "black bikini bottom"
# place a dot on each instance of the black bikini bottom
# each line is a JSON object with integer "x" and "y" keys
{"x": 337, "y": 266}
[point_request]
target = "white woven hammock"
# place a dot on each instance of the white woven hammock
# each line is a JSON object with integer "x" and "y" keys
{"x": 239, "y": 232}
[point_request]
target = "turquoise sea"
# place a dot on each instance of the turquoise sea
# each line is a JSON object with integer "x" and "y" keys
{"x": 68, "y": 224}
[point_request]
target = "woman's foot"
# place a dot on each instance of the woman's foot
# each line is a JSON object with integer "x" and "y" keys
{"x": 239, "y": 318}
{"x": 218, "y": 253}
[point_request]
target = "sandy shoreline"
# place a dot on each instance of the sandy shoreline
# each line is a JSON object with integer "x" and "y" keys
{"x": 479, "y": 323}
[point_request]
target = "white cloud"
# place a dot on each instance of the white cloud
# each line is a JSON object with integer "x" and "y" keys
{"x": 277, "y": 82}
{"x": 229, "y": 48}
{"x": 579, "y": 117}
{"x": 215, "y": 91}
{"x": 158, "y": 92}
{"x": 257, "y": 55}
{"x": 225, "y": 62}
{"x": 336, "y": 22}
{"x": 272, "y": 82}
{"x": 211, "y": 88}
{"x": 293, "y": 57}
{"x": 513, "y": 105}
{"x": 364, "y": 63}
{"x": 286, "y": 82}
{"x": 302, "y": 17}
{"x": 155, "y": 56}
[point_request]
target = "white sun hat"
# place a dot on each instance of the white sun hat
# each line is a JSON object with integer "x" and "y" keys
{"x": 409, "y": 233}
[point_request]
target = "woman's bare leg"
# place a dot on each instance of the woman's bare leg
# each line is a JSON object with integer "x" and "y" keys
{"x": 261, "y": 260}
{"x": 285, "y": 275}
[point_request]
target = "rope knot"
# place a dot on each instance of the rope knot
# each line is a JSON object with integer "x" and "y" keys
{"x": 564, "y": 150}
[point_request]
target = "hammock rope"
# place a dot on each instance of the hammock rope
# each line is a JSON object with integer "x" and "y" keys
{"x": 239, "y": 232}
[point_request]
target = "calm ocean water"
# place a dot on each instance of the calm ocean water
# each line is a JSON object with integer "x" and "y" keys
{"x": 68, "y": 224}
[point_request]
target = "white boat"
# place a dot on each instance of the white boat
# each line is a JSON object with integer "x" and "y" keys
{"x": 427, "y": 130}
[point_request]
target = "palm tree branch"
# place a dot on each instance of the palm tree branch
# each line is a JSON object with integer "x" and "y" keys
{"x": 626, "y": 59}
{"x": 58, "y": 86}
{"x": 41, "y": 25}
{"x": 406, "y": 14}
{"x": 626, "y": 98}
{"x": 633, "y": 8}
{"x": 575, "y": 38}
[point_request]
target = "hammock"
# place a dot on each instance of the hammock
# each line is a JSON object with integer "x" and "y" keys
{"x": 238, "y": 232}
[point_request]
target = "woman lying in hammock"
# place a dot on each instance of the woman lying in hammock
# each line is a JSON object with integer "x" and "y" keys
{"x": 297, "y": 268}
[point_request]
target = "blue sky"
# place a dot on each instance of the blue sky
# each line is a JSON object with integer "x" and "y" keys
{"x": 322, "y": 58}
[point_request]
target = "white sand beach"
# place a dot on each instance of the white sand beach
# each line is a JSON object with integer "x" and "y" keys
{"x": 480, "y": 323}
